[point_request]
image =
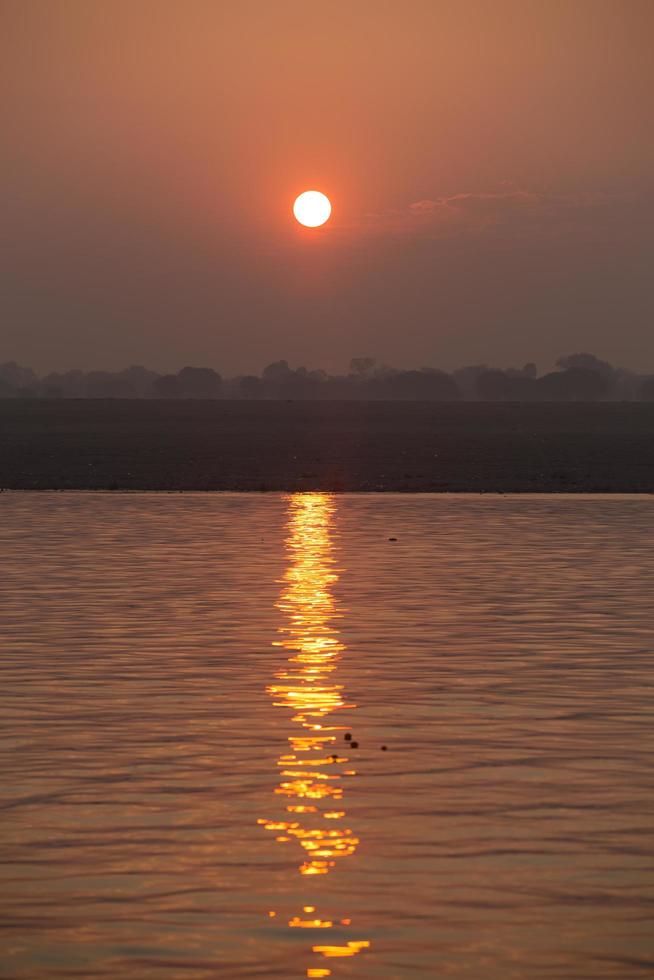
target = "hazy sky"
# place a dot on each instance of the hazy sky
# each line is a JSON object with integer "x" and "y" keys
{"x": 489, "y": 163}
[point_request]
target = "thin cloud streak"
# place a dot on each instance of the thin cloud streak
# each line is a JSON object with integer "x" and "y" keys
{"x": 503, "y": 210}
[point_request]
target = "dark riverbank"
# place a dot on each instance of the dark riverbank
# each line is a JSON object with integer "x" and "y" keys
{"x": 402, "y": 446}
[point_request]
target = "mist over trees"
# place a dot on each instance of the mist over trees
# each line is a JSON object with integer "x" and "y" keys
{"x": 578, "y": 377}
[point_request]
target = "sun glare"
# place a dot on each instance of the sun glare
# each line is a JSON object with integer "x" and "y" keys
{"x": 312, "y": 209}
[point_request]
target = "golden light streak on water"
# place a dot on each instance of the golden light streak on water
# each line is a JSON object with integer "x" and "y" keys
{"x": 312, "y": 768}
{"x": 505, "y": 648}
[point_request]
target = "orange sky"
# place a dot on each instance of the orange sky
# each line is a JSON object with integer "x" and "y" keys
{"x": 489, "y": 164}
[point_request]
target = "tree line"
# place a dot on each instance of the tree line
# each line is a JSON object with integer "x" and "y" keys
{"x": 578, "y": 377}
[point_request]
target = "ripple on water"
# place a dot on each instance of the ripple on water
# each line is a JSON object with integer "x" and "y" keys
{"x": 172, "y": 809}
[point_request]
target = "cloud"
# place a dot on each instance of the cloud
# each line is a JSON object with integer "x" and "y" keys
{"x": 478, "y": 202}
{"x": 508, "y": 210}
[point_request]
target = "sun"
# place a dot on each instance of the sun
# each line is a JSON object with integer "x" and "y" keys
{"x": 312, "y": 208}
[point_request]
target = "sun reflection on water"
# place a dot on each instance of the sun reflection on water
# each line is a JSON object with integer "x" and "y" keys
{"x": 313, "y": 769}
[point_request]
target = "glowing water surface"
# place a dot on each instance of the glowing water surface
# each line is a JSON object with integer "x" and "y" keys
{"x": 318, "y": 759}
{"x": 179, "y": 798}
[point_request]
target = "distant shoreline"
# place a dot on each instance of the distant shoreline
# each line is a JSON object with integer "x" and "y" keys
{"x": 607, "y": 494}
{"x": 389, "y": 447}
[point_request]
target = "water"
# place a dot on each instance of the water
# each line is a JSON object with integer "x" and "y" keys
{"x": 179, "y": 799}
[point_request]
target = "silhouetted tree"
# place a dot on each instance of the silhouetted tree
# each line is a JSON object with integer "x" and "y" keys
{"x": 646, "y": 390}
{"x": 166, "y": 386}
{"x": 277, "y": 372}
{"x": 465, "y": 379}
{"x": 250, "y": 386}
{"x": 71, "y": 384}
{"x": 494, "y": 385}
{"x": 103, "y": 384}
{"x": 585, "y": 362}
{"x": 6, "y": 390}
{"x": 140, "y": 379}
{"x": 193, "y": 382}
{"x": 582, "y": 377}
{"x": 18, "y": 377}
{"x": 573, "y": 385}
{"x": 363, "y": 367}
{"x": 425, "y": 385}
